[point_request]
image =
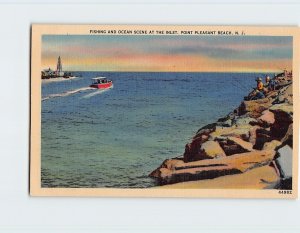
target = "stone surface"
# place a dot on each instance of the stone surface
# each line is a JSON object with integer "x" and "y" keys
{"x": 200, "y": 149}
{"x": 243, "y": 120}
{"x": 192, "y": 150}
{"x": 283, "y": 118}
{"x": 287, "y": 108}
{"x": 206, "y": 129}
{"x": 272, "y": 94}
{"x": 252, "y": 133}
{"x": 258, "y": 178}
{"x": 227, "y": 123}
{"x": 288, "y": 137}
{"x": 212, "y": 149}
{"x": 234, "y": 131}
{"x": 262, "y": 136}
{"x": 271, "y": 145}
{"x": 212, "y": 168}
{"x": 171, "y": 163}
{"x": 286, "y": 95}
{"x": 267, "y": 118}
{"x": 254, "y": 108}
{"x": 285, "y": 162}
{"x": 233, "y": 145}
{"x": 246, "y": 145}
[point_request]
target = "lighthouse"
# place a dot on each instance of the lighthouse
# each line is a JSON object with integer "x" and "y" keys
{"x": 59, "y": 71}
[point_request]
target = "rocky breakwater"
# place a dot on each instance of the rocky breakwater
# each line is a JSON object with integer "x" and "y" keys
{"x": 249, "y": 148}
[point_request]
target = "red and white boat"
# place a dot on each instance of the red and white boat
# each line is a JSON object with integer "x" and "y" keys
{"x": 101, "y": 83}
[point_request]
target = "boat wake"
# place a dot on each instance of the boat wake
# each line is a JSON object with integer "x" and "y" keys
{"x": 97, "y": 92}
{"x": 64, "y": 94}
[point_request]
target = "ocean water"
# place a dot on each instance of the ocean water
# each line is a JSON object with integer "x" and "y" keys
{"x": 116, "y": 137}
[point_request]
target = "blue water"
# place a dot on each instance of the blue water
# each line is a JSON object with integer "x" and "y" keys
{"x": 117, "y": 137}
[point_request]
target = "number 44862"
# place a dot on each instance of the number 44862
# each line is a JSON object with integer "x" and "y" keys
{"x": 285, "y": 191}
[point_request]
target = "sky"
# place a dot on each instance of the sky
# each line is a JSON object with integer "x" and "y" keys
{"x": 168, "y": 53}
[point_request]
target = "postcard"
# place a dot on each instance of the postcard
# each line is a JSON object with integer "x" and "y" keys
{"x": 164, "y": 111}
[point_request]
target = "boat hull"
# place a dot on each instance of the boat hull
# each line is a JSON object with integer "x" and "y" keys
{"x": 102, "y": 85}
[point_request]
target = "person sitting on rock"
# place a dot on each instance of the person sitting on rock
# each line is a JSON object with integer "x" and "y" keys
{"x": 260, "y": 88}
{"x": 270, "y": 84}
{"x": 259, "y": 91}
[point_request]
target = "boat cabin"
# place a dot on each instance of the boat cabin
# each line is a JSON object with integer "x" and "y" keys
{"x": 101, "y": 83}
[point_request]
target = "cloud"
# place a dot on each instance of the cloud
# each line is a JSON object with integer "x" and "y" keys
{"x": 168, "y": 53}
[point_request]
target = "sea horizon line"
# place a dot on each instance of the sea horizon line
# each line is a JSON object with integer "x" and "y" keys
{"x": 243, "y": 72}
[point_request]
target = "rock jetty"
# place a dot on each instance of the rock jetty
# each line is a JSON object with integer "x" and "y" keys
{"x": 249, "y": 148}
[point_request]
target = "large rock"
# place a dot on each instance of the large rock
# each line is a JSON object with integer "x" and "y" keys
{"x": 252, "y": 133}
{"x": 227, "y": 123}
{"x": 202, "y": 149}
{"x": 286, "y": 95}
{"x": 283, "y": 118}
{"x": 254, "y": 108}
{"x": 267, "y": 118}
{"x": 286, "y": 108}
{"x": 206, "y": 129}
{"x": 244, "y": 144}
{"x": 279, "y": 129}
{"x": 244, "y": 120}
{"x": 167, "y": 166}
{"x": 240, "y": 132}
{"x": 284, "y": 168}
{"x": 212, "y": 168}
{"x": 262, "y": 136}
{"x": 272, "y": 145}
{"x": 193, "y": 150}
{"x": 288, "y": 137}
{"x": 272, "y": 94}
{"x": 212, "y": 149}
{"x": 213, "y": 132}
{"x": 234, "y": 145}
{"x": 285, "y": 162}
{"x": 258, "y": 178}
{"x": 171, "y": 163}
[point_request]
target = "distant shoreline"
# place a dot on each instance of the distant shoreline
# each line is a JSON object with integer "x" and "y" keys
{"x": 58, "y": 79}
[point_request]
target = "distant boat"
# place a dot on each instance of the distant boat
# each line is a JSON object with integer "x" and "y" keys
{"x": 101, "y": 83}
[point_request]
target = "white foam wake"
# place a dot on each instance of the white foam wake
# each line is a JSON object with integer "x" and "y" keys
{"x": 97, "y": 92}
{"x": 64, "y": 94}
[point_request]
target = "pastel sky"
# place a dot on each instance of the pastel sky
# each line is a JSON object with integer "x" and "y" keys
{"x": 168, "y": 53}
